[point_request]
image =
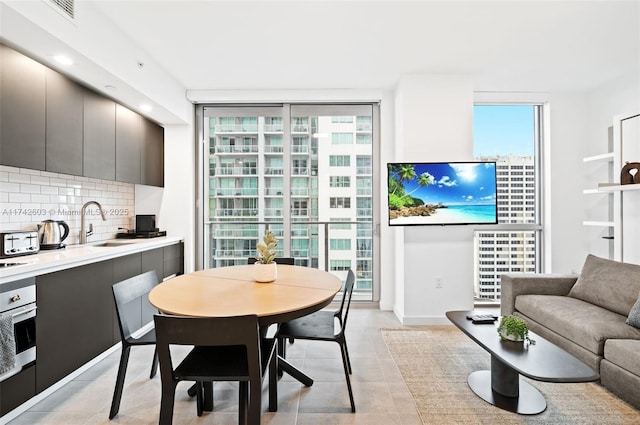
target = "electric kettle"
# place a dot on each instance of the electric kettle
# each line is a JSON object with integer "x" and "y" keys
{"x": 51, "y": 234}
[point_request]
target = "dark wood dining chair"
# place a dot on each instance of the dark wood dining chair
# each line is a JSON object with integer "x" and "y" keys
{"x": 321, "y": 326}
{"x": 225, "y": 349}
{"x": 134, "y": 312}
{"x": 279, "y": 260}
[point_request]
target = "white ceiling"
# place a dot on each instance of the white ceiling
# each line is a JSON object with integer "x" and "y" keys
{"x": 504, "y": 46}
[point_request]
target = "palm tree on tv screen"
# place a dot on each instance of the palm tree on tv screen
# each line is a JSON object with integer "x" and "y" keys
{"x": 401, "y": 173}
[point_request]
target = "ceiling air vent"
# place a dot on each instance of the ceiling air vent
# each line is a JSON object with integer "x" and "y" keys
{"x": 65, "y": 6}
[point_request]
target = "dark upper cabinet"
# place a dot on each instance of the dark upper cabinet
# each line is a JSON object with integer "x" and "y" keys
{"x": 152, "y": 159}
{"x": 64, "y": 124}
{"x": 99, "y": 156}
{"x": 49, "y": 122}
{"x": 22, "y": 110}
{"x": 128, "y": 145}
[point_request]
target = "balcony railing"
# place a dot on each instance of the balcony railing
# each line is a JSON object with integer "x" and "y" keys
{"x": 273, "y": 148}
{"x": 273, "y": 191}
{"x": 300, "y": 128}
{"x": 300, "y": 253}
{"x": 234, "y": 192}
{"x": 227, "y": 244}
{"x": 236, "y": 212}
{"x": 235, "y": 171}
{"x": 236, "y": 128}
{"x": 273, "y": 212}
{"x": 274, "y": 171}
{"x": 273, "y": 128}
{"x": 238, "y": 233}
{"x": 236, "y": 148}
{"x": 364, "y": 253}
{"x": 299, "y": 171}
{"x": 300, "y": 149}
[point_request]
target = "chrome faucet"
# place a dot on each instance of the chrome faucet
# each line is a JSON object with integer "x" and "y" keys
{"x": 83, "y": 233}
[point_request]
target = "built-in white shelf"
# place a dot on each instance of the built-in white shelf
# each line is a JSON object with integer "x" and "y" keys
{"x": 605, "y": 156}
{"x": 592, "y": 191}
{"x": 611, "y": 187}
{"x": 598, "y": 223}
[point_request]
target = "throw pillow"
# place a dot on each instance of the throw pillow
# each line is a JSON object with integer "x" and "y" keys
{"x": 609, "y": 284}
{"x": 634, "y": 315}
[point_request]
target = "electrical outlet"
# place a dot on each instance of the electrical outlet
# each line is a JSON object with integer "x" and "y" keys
{"x": 438, "y": 281}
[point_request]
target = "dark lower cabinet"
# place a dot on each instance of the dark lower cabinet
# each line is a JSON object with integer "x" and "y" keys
{"x": 76, "y": 312}
{"x": 173, "y": 259}
{"x": 17, "y": 389}
{"x": 154, "y": 260}
{"x": 75, "y": 320}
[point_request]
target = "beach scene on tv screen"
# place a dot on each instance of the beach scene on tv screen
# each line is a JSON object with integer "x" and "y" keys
{"x": 442, "y": 193}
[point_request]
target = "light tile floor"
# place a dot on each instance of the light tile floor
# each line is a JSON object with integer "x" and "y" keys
{"x": 380, "y": 394}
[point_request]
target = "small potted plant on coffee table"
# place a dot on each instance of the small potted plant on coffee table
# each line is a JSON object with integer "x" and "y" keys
{"x": 265, "y": 266}
{"x": 514, "y": 329}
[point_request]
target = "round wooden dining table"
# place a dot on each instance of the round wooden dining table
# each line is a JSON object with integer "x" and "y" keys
{"x": 231, "y": 291}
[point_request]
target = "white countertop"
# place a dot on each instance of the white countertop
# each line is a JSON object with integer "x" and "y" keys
{"x": 77, "y": 255}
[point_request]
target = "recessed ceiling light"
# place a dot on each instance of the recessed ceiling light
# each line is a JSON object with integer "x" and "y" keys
{"x": 63, "y": 60}
{"x": 145, "y": 107}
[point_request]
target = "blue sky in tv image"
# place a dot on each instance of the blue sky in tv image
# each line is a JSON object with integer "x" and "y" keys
{"x": 455, "y": 183}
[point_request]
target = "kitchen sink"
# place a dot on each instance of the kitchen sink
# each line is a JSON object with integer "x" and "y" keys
{"x": 112, "y": 244}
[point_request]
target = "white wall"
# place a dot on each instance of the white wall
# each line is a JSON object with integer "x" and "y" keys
{"x": 621, "y": 96}
{"x": 579, "y": 124}
{"x": 434, "y": 122}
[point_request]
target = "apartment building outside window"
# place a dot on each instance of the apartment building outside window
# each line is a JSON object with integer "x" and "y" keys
{"x": 511, "y": 136}
{"x": 304, "y": 172}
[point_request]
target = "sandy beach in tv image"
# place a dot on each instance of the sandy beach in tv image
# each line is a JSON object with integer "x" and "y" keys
{"x": 442, "y": 193}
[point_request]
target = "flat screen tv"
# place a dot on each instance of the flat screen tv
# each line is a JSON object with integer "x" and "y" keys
{"x": 441, "y": 193}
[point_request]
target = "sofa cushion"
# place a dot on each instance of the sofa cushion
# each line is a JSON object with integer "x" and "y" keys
{"x": 583, "y": 323}
{"x": 624, "y": 353}
{"x": 609, "y": 284}
{"x": 634, "y": 315}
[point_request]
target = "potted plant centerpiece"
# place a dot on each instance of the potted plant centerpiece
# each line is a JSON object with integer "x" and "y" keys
{"x": 514, "y": 329}
{"x": 265, "y": 266}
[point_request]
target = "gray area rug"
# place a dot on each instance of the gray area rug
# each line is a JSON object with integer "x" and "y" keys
{"x": 436, "y": 361}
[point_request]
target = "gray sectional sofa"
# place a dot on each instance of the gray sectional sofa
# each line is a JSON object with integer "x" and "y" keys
{"x": 593, "y": 316}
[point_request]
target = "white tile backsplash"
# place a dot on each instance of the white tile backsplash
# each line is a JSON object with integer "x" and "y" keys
{"x": 29, "y": 197}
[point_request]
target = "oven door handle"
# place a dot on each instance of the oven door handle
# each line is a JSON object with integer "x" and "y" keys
{"x": 25, "y": 311}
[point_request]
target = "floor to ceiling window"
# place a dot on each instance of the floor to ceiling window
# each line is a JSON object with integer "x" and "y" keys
{"x": 304, "y": 172}
{"x": 511, "y": 136}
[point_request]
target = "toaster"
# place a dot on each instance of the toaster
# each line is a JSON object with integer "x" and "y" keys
{"x": 18, "y": 242}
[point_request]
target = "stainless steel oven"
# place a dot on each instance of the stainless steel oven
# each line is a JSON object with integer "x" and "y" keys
{"x": 18, "y": 300}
